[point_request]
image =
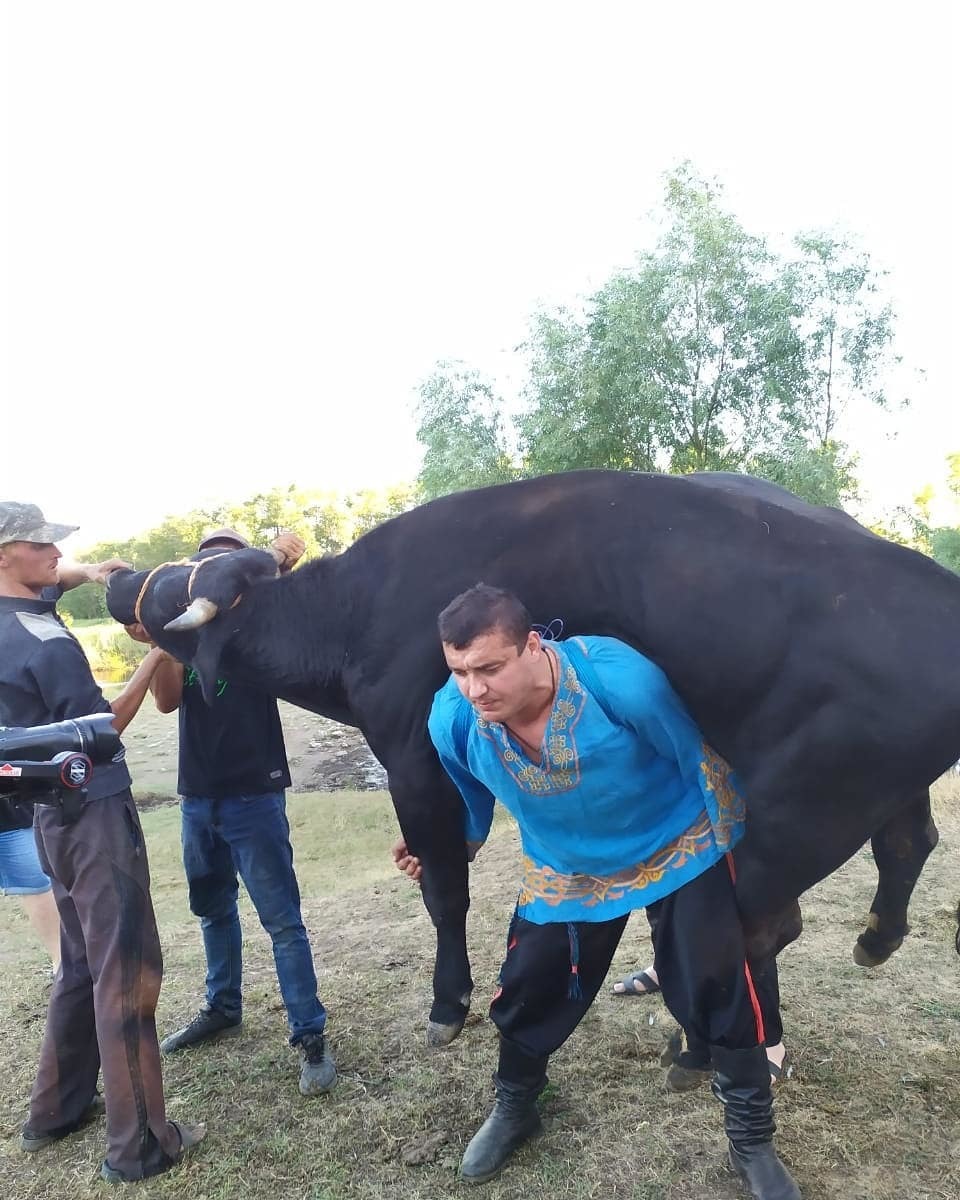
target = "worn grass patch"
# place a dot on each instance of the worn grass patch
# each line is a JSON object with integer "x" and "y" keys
{"x": 870, "y": 1112}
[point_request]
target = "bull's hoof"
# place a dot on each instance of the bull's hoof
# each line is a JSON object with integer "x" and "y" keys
{"x": 439, "y": 1035}
{"x": 871, "y": 950}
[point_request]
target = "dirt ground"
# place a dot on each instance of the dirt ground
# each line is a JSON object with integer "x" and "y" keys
{"x": 870, "y": 1111}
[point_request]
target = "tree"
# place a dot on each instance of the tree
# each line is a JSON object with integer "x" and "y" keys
{"x": 845, "y": 326}
{"x": 326, "y": 522}
{"x": 821, "y": 474}
{"x": 686, "y": 362}
{"x": 711, "y": 353}
{"x": 462, "y": 430}
{"x": 372, "y": 507}
{"x": 941, "y": 542}
{"x": 318, "y": 517}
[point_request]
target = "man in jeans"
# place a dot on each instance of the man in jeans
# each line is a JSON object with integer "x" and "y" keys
{"x": 233, "y": 772}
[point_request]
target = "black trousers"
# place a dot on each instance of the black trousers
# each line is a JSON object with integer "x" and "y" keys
{"x": 552, "y": 974}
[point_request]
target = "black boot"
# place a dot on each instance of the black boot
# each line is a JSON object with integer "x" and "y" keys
{"x": 742, "y": 1085}
{"x": 513, "y": 1121}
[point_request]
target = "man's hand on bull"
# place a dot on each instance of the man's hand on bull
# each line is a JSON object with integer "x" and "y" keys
{"x": 406, "y": 862}
{"x": 73, "y": 574}
{"x": 409, "y": 864}
{"x": 291, "y": 547}
{"x": 98, "y": 572}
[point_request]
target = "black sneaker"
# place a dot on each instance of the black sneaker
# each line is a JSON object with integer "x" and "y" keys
{"x": 206, "y": 1026}
{"x": 319, "y": 1072}
{"x": 31, "y": 1141}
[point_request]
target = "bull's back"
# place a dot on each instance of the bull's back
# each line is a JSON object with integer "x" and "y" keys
{"x": 759, "y": 607}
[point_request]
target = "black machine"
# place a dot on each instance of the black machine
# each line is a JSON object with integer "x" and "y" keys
{"x": 52, "y": 764}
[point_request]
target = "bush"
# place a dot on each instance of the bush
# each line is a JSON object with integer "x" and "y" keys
{"x": 113, "y": 654}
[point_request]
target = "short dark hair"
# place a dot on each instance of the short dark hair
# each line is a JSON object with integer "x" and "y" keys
{"x": 481, "y": 609}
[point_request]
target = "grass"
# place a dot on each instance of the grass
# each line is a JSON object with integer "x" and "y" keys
{"x": 871, "y": 1111}
{"x": 112, "y": 653}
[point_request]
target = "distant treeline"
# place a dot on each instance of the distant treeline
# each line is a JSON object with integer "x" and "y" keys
{"x": 327, "y": 523}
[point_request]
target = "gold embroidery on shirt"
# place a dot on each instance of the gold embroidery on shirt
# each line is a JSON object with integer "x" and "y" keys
{"x": 543, "y": 883}
{"x": 732, "y": 812}
{"x": 559, "y": 766}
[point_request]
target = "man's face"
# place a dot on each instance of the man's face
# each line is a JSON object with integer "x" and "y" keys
{"x": 496, "y": 677}
{"x": 31, "y": 565}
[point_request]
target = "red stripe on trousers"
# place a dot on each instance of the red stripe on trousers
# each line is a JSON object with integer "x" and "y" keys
{"x": 751, "y": 990}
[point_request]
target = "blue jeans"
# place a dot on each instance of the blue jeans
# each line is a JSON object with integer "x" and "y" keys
{"x": 20, "y": 870}
{"x": 249, "y": 836}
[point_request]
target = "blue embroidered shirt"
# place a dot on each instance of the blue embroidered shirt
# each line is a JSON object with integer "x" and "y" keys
{"x": 627, "y": 802}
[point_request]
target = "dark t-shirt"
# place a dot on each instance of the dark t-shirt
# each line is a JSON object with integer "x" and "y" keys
{"x": 45, "y": 677}
{"x": 232, "y": 747}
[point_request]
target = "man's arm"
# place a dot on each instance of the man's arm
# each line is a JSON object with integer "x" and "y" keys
{"x": 72, "y": 574}
{"x": 166, "y": 683}
{"x": 126, "y": 705}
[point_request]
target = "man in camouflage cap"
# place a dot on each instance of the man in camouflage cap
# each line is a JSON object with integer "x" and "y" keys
{"x": 103, "y": 1002}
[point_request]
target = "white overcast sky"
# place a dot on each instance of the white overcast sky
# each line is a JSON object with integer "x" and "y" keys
{"x": 240, "y": 234}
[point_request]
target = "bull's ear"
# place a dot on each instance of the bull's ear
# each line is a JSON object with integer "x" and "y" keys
{"x": 206, "y": 661}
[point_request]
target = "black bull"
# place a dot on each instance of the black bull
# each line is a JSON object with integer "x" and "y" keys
{"x": 822, "y": 661}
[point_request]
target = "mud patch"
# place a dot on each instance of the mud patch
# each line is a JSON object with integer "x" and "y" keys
{"x": 336, "y": 757}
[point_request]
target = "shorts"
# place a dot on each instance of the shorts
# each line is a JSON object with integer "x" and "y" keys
{"x": 20, "y": 871}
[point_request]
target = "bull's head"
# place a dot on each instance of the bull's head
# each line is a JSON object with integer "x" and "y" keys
{"x": 192, "y": 609}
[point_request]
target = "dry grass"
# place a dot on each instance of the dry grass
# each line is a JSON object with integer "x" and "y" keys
{"x": 871, "y": 1111}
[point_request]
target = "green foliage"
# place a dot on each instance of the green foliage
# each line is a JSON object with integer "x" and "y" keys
{"x": 821, "y": 474}
{"x": 945, "y": 546}
{"x": 88, "y": 602}
{"x": 326, "y": 522}
{"x": 845, "y": 325}
{"x": 365, "y": 510}
{"x": 941, "y": 542}
{"x": 112, "y": 654}
{"x": 711, "y": 353}
{"x": 682, "y": 363}
{"x": 462, "y": 430}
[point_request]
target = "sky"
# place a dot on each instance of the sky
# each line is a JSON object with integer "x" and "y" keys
{"x": 239, "y": 235}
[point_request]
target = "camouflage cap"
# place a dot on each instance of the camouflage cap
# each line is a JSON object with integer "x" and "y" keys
{"x": 26, "y": 523}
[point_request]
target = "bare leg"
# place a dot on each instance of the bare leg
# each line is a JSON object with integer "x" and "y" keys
{"x": 41, "y": 910}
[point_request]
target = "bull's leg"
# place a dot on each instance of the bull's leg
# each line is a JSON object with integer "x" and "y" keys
{"x": 900, "y": 848}
{"x": 766, "y": 936}
{"x": 446, "y": 895}
{"x": 430, "y": 813}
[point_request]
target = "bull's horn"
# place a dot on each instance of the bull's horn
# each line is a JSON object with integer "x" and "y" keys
{"x": 199, "y": 613}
